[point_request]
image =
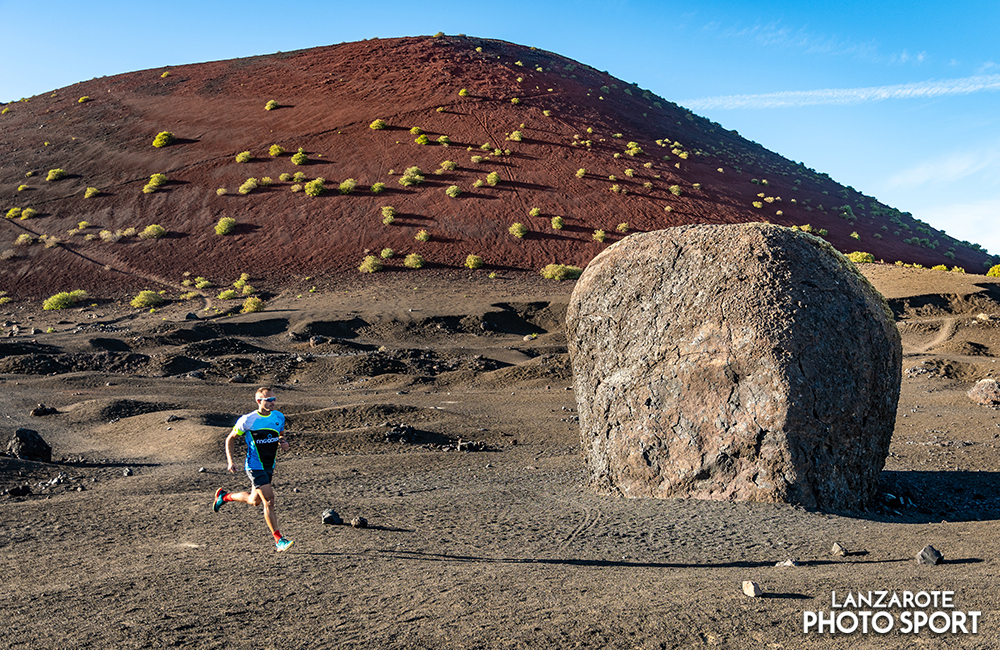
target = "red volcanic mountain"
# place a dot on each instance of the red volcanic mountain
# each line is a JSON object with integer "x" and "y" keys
{"x": 525, "y": 135}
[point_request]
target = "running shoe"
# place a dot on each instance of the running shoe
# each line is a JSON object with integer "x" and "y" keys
{"x": 283, "y": 544}
{"x": 218, "y": 499}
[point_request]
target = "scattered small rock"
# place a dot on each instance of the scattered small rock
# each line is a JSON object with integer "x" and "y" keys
{"x": 19, "y": 491}
{"x": 202, "y": 470}
{"x": 191, "y": 316}
{"x": 838, "y": 550}
{"x": 237, "y": 379}
{"x": 127, "y": 471}
{"x": 317, "y": 340}
{"x": 752, "y": 589}
{"x": 929, "y": 555}
{"x": 359, "y": 522}
{"x": 41, "y": 410}
{"x": 173, "y": 418}
{"x": 788, "y": 562}
{"x": 331, "y": 517}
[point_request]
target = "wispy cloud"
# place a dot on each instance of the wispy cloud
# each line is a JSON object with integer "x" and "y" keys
{"x": 841, "y": 96}
{"x": 947, "y": 169}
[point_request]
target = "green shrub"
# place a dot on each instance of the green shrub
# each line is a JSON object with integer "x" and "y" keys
{"x": 476, "y": 160}
{"x": 558, "y": 223}
{"x": 675, "y": 190}
{"x": 492, "y": 179}
{"x": 378, "y": 125}
{"x": 515, "y": 136}
{"x": 413, "y": 261}
{"x": 599, "y": 235}
{"x": 444, "y": 140}
{"x": 957, "y": 269}
{"x": 275, "y": 150}
{"x": 91, "y": 192}
{"x": 370, "y": 264}
{"x": 227, "y": 294}
{"x": 939, "y": 267}
{"x": 315, "y": 187}
{"x": 28, "y": 213}
{"x": 300, "y": 157}
{"x": 163, "y": 138}
{"x": 153, "y": 231}
{"x": 622, "y": 227}
{"x": 453, "y": 191}
{"x": 146, "y": 299}
{"x": 299, "y": 177}
{"x": 859, "y": 257}
{"x": 284, "y": 178}
{"x": 463, "y": 93}
{"x": 422, "y": 139}
{"x": 347, "y": 186}
{"x": 387, "y": 253}
{"x": 449, "y": 166}
{"x": 423, "y": 235}
{"x": 64, "y": 299}
{"x": 225, "y": 226}
{"x": 13, "y": 213}
{"x": 515, "y": 101}
{"x": 534, "y": 212}
{"x": 24, "y": 239}
{"x": 561, "y": 272}
{"x": 252, "y": 305}
{"x": 270, "y": 105}
{"x": 518, "y": 230}
{"x": 249, "y": 185}
{"x": 56, "y": 174}
{"x": 412, "y": 176}
{"x": 378, "y": 188}
{"x": 474, "y": 262}
{"x": 580, "y": 173}
{"x": 416, "y": 130}
{"x": 994, "y": 271}
{"x": 22, "y": 187}
{"x": 243, "y": 156}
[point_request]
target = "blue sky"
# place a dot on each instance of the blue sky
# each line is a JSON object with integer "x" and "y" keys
{"x": 897, "y": 99}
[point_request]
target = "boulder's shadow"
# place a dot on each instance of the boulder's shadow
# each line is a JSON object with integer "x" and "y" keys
{"x": 932, "y": 497}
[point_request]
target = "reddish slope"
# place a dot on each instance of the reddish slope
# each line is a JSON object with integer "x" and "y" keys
{"x": 328, "y": 97}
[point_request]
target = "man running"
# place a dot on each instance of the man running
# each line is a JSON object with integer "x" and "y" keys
{"x": 262, "y": 431}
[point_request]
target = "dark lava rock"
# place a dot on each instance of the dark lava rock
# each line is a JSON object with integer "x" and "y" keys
{"x": 27, "y": 444}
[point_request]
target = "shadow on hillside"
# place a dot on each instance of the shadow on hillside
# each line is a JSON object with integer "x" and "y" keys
{"x": 245, "y": 229}
{"x": 180, "y": 141}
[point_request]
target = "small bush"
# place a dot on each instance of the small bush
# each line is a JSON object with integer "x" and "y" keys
{"x": 580, "y": 173}
{"x": 64, "y": 299}
{"x": 387, "y": 253}
{"x": 284, "y": 178}
{"x": 56, "y": 174}
{"x": 492, "y": 179}
{"x": 13, "y": 213}
{"x": 413, "y": 261}
{"x": 227, "y": 294}
{"x": 299, "y": 177}
{"x": 422, "y": 139}
{"x": 378, "y": 125}
{"x": 22, "y": 187}
{"x": 515, "y": 101}
{"x": 347, "y": 186}
{"x": 378, "y": 188}
{"x": 370, "y": 264}
{"x": 599, "y": 236}
{"x": 146, "y": 299}
{"x": 225, "y": 226}
{"x": 444, "y": 140}
{"x": 453, "y": 191}
{"x": 476, "y": 159}
{"x": 474, "y": 262}
{"x": 518, "y": 230}
{"x": 463, "y": 93}
{"x": 622, "y": 227}
{"x": 939, "y": 267}
{"x": 28, "y": 213}
{"x": 412, "y": 176}
{"x": 423, "y": 235}
{"x": 416, "y": 130}
{"x": 534, "y": 212}
{"x": 91, "y": 192}
{"x": 300, "y": 157}
{"x": 855, "y": 235}
{"x": 675, "y": 190}
{"x": 251, "y": 305}
{"x": 249, "y": 185}
{"x": 153, "y": 231}
{"x": 243, "y": 156}
{"x": 270, "y": 105}
{"x": 515, "y": 136}
{"x": 994, "y": 272}
{"x": 561, "y": 272}
{"x": 859, "y": 257}
{"x": 162, "y": 139}
{"x": 449, "y": 166}
{"x": 275, "y": 150}
{"x": 24, "y": 239}
{"x": 315, "y": 187}
{"x": 558, "y": 223}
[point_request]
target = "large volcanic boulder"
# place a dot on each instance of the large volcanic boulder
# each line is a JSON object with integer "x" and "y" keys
{"x": 742, "y": 362}
{"x": 26, "y": 444}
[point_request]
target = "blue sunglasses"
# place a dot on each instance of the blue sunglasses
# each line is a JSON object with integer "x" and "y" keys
{"x": 267, "y": 399}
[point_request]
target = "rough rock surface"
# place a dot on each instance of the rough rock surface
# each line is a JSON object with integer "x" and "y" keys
{"x": 748, "y": 362}
{"x": 986, "y": 392}
{"x": 27, "y": 444}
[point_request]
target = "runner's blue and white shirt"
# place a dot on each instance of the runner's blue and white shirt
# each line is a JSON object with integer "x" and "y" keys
{"x": 261, "y": 435}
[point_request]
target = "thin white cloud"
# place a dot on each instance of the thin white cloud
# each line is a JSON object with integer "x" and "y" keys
{"x": 842, "y": 96}
{"x": 975, "y": 221}
{"x": 949, "y": 169}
